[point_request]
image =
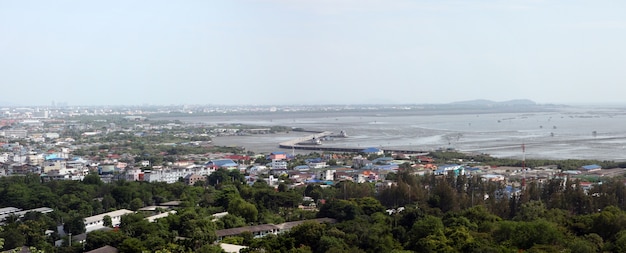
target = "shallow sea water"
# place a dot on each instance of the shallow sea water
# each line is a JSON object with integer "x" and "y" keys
{"x": 566, "y": 134}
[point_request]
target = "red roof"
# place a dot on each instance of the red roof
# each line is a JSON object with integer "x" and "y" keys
{"x": 238, "y": 157}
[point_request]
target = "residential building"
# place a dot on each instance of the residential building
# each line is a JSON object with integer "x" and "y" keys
{"x": 591, "y": 168}
{"x": 316, "y": 163}
{"x": 6, "y": 157}
{"x": 153, "y": 218}
{"x": 54, "y": 164}
{"x": 327, "y": 175}
{"x": 134, "y": 175}
{"x": 266, "y": 229}
{"x": 51, "y": 136}
{"x": 8, "y": 211}
{"x": 96, "y": 222}
{"x": 173, "y": 175}
{"x": 278, "y": 165}
{"x": 278, "y": 156}
{"x": 191, "y": 179}
{"x": 373, "y": 151}
{"x": 104, "y": 249}
{"x": 223, "y": 163}
{"x": 14, "y": 133}
{"x": 361, "y": 162}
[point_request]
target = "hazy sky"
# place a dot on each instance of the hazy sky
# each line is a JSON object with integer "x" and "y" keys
{"x": 311, "y": 51}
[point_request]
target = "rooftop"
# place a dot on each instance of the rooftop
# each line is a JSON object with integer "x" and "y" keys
{"x": 100, "y": 217}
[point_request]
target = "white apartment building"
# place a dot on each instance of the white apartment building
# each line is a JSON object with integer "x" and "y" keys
{"x": 328, "y": 175}
{"x": 278, "y": 165}
{"x": 6, "y": 157}
{"x": 317, "y": 165}
{"x": 134, "y": 175}
{"x": 172, "y": 175}
{"x": 52, "y": 135}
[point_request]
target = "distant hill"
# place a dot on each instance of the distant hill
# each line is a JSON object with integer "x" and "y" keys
{"x": 485, "y": 102}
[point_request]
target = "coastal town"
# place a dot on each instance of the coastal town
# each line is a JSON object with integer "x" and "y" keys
{"x": 58, "y": 145}
{"x": 130, "y": 146}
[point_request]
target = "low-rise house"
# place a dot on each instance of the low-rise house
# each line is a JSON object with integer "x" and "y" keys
{"x": 153, "y": 218}
{"x": 217, "y": 216}
{"x": 302, "y": 167}
{"x": 316, "y": 163}
{"x": 266, "y": 229}
{"x": 277, "y": 156}
{"x": 223, "y": 163}
{"x": 365, "y": 176}
{"x": 301, "y": 176}
{"x": 591, "y": 168}
{"x": 104, "y": 249}
{"x": 373, "y": 151}
{"x": 232, "y": 248}
{"x": 382, "y": 160}
{"x": 361, "y": 162}
{"x": 390, "y": 167}
{"x": 96, "y": 222}
{"x": 492, "y": 177}
{"x": 450, "y": 168}
{"x": 65, "y": 174}
{"x": 255, "y": 170}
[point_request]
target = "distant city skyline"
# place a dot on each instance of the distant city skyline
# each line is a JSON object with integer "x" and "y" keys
{"x": 280, "y": 52}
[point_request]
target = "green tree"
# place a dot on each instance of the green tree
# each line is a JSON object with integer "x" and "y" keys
{"x": 12, "y": 237}
{"x": 131, "y": 245}
{"x": 308, "y": 233}
{"x": 527, "y": 234}
{"x": 232, "y": 221}
{"x": 241, "y": 208}
{"x": 531, "y": 211}
{"x": 74, "y": 225}
{"x": 208, "y": 248}
{"x": 107, "y": 221}
{"x": 135, "y": 204}
{"x": 339, "y": 209}
{"x": 427, "y": 234}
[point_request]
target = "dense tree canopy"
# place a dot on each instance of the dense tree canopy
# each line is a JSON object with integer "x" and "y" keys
{"x": 413, "y": 214}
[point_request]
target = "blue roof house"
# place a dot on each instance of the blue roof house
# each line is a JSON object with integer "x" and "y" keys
{"x": 591, "y": 168}
{"x": 374, "y": 151}
{"x": 223, "y": 163}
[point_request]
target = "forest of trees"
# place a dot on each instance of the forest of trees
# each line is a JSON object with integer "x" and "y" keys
{"x": 430, "y": 214}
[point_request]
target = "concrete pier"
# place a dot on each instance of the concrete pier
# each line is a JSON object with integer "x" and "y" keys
{"x": 294, "y": 144}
